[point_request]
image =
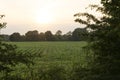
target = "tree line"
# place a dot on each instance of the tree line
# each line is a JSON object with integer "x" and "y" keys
{"x": 79, "y": 34}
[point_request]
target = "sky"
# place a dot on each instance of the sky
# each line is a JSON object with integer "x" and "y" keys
{"x": 42, "y": 15}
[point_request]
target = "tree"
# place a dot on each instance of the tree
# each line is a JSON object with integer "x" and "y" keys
{"x": 49, "y": 36}
{"x": 42, "y": 36}
{"x": 67, "y": 36}
{"x": 104, "y": 40}
{"x": 23, "y": 38}
{"x": 58, "y": 35}
{"x": 79, "y": 34}
{"x": 10, "y": 57}
{"x": 32, "y": 35}
{"x": 59, "y": 32}
{"x": 15, "y": 37}
{"x": 4, "y": 37}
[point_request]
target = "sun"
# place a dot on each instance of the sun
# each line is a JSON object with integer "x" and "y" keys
{"x": 44, "y": 17}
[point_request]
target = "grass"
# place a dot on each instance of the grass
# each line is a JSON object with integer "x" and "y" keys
{"x": 63, "y": 54}
{"x": 54, "y": 51}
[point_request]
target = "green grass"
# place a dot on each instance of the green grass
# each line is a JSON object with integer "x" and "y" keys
{"x": 54, "y": 52}
{"x": 64, "y": 54}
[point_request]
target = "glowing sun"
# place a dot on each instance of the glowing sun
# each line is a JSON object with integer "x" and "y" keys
{"x": 44, "y": 17}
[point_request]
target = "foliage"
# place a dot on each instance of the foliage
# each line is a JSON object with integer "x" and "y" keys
{"x": 2, "y": 25}
{"x": 104, "y": 40}
{"x": 15, "y": 37}
{"x": 80, "y": 34}
{"x": 10, "y": 57}
{"x": 52, "y": 73}
{"x": 67, "y": 36}
{"x": 78, "y": 72}
{"x": 4, "y": 37}
{"x": 58, "y": 35}
{"x": 49, "y": 36}
{"x": 32, "y": 35}
{"x": 42, "y": 36}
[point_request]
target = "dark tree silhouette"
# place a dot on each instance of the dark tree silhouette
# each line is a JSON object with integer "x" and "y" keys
{"x": 42, "y": 36}
{"x": 104, "y": 41}
{"x": 58, "y": 35}
{"x": 32, "y": 35}
{"x": 67, "y": 36}
{"x": 15, "y": 37}
{"x": 49, "y": 36}
{"x": 79, "y": 34}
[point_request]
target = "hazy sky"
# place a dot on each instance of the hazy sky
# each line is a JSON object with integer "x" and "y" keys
{"x": 42, "y": 15}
